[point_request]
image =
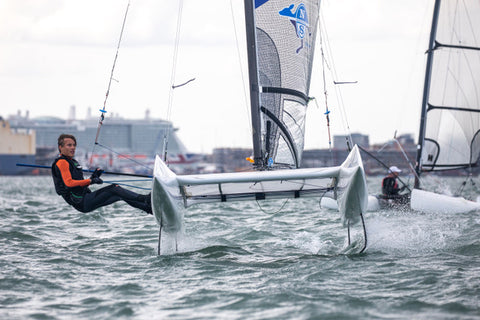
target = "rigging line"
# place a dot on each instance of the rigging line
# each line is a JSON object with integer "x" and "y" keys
{"x": 245, "y": 94}
{"x": 123, "y": 155}
{"x": 309, "y": 184}
{"x": 103, "y": 111}
{"x": 327, "y": 112}
{"x": 384, "y": 165}
{"x": 172, "y": 80}
{"x": 85, "y": 170}
{"x": 412, "y": 168}
{"x": 333, "y": 72}
{"x": 470, "y": 20}
{"x": 346, "y": 127}
{"x": 327, "y": 115}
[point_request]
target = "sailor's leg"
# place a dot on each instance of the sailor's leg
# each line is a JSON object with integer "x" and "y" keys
{"x": 99, "y": 198}
{"x": 114, "y": 193}
{"x": 140, "y": 201}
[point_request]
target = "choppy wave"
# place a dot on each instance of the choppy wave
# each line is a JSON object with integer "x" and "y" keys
{"x": 233, "y": 261}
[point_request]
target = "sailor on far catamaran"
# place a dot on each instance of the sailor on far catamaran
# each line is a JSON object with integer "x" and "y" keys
{"x": 70, "y": 184}
{"x": 390, "y": 188}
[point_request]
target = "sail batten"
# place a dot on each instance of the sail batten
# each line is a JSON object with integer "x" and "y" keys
{"x": 286, "y": 91}
{"x": 474, "y": 109}
{"x": 440, "y": 45}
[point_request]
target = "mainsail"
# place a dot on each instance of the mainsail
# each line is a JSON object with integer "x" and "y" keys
{"x": 449, "y": 130}
{"x": 281, "y": 37}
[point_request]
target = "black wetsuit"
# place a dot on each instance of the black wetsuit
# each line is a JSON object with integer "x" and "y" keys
{"x": 84, "y": 200}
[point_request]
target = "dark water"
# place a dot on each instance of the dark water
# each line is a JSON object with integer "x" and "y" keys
{"x": 236, "y": 261}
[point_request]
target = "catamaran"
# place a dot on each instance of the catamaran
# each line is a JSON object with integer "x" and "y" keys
{"x": 450, "y": 113}
{"x": 280, "y": 47}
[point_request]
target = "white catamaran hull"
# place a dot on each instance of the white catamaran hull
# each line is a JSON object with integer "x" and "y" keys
{"x": 168, "y": 210}
{"x": 372, "y": 204}
{"x": 430, "y": 202}
{"x": 173, "y": 193}
{"x": 420, "y": 200}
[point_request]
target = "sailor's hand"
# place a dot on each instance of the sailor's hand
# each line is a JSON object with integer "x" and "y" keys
{"x": 97, "y": 173}
{"x": 96, "y": 180}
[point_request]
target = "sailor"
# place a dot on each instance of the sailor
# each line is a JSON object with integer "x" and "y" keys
{"x": 390, "y": 187}
{"x": 70, "y": 184}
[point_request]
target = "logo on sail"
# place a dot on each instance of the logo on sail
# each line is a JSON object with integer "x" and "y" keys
{"x": 299, "y": 20}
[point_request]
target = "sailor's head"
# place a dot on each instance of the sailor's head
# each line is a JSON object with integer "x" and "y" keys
{"x": 394, "y": 169}
{"x": 67, "y": 144}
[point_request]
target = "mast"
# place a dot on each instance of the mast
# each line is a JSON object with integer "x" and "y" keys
{"x": 426, "y": 90}
{"x": 253, "y": 80}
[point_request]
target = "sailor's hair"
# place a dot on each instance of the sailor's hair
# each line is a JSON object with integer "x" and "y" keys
{"x": 63, "y": 136}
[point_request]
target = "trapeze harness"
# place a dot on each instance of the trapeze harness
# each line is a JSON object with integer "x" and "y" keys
{"x": 69, "y": 183}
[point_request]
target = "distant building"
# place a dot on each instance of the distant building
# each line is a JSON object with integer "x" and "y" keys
{"x": 122, "y": 135}
{"x": 389, "y": 153}
{"x": 16, "y": 146}
{"x": 232, "y": 159}
{"x": 120, "y": 139}
{"x": 407, "y": 141}
{"x": 317, "y": 158}
{"x": 340, "y": 141}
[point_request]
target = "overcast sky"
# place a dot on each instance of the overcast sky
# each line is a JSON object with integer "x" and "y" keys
{"x": 56, "y": 53}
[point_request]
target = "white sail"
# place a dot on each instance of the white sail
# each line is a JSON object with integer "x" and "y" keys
{"x": 452, "y": 88}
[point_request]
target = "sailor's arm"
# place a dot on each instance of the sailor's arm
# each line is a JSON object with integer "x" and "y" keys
{"x": 64, "y": 168}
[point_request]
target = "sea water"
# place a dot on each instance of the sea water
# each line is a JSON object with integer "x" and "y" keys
{"x": 244, "y": 260}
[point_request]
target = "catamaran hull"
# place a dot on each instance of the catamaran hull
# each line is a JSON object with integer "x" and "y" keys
{"x": 430, "y": 202}
{"x": 373, "y": 204}
{"x": 420, "y": 200}
{"x": 167, "y": 209}
{"x": 172, "y": 193}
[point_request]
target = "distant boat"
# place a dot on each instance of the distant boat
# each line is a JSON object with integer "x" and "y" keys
{"x": 15, "y": 146}
{"x": 450, "y": 116}
{"x": 280, "y": 44}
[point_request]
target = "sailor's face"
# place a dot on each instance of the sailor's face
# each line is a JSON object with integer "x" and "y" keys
{"x": 68, "y": 148}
